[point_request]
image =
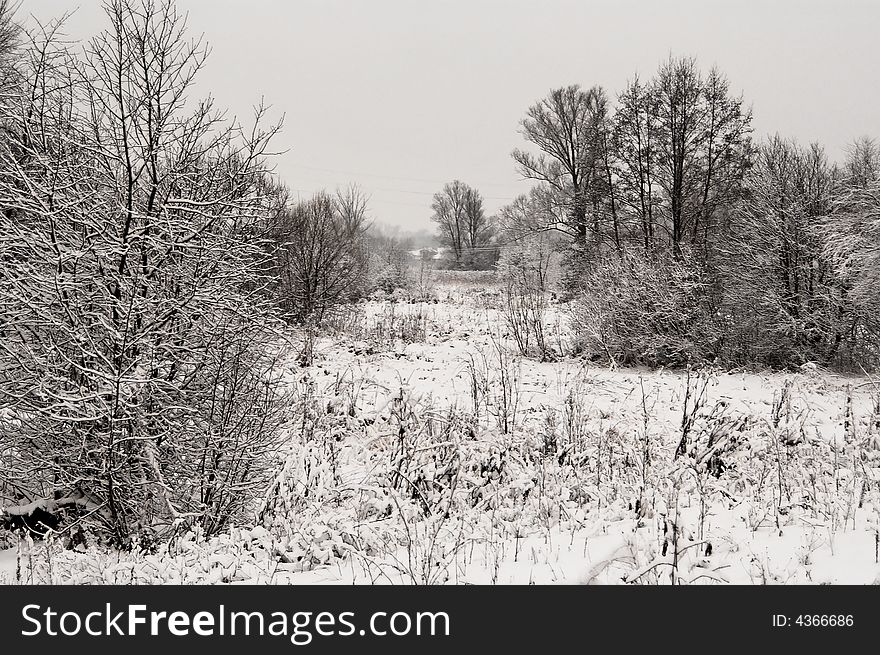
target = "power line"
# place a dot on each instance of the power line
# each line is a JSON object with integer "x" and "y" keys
{"x": 394, "y": 177}
{"x": 397, "y": 202}
{"x": 408, "y": 191}
{"x": 305, "y": 192}
{"x": 411, "y": 192}
{"x": 429, "y": 193}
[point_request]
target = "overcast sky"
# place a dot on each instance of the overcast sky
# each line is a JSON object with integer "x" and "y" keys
{"x": 401, "y": 96}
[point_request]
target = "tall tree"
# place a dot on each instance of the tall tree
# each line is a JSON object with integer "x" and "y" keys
{"x": 606, "y": 191}
{"x": 352, "y": 206}
{"x": 703, "y": 147}
{"x": 635, "y": 143}
{"x": 565, "y": 127}
{"x": 725, "y": 154}
{"x": 448, "y": 206}
{"x": 678, "y": 88}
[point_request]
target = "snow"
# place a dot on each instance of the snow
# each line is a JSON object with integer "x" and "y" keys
{"x": 587, "y": 511}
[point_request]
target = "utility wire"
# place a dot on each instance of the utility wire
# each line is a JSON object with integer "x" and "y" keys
{"x": 394, "y": 177}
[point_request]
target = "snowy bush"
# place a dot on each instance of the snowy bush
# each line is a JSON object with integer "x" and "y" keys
{"x": 638, "y": 309}
{"x": 136, "y": 356}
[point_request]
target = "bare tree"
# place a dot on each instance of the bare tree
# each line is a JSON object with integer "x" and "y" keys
{"x": 605, "y": 193}
{"x": 320, "y": 256}
{"x": 477, "y": 229}
{"x": 352, "y": 206}
{"x": 525, "y": 269}
{"x": 565, "y": 127}
{"x": 636, "y": 137}
{"x": 726, "y": 155}
{"x": 133, "y": 363}
{"x": 10, "y": 42}
{"x": 782, "y": 292}
{"x": 703, "y": 148}
{"x": 862, "y": 166}
{"x": 528, "y": 248}
{"x": 680, "y": 114}
{"x": 449, "y": 208}
{"x": 851, "y": 240}
{"x": 461, "y": 221}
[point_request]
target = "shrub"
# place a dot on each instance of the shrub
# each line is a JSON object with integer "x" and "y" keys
{"x": 637, "y": 309}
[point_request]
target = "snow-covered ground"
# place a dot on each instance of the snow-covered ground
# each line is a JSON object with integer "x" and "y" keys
{"x": 427, "y": 451}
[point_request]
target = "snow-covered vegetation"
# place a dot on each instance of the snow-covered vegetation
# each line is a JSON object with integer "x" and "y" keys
{"x": 422, "y": 448}
{"x": 662, "y": 372}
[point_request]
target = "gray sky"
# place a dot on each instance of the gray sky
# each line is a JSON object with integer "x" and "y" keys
{"x": 401, "y": 96}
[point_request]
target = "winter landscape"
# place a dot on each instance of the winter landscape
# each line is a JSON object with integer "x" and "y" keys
{"x": 657, "y": 365}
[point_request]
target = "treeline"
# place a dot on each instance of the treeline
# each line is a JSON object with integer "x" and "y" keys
{"x": 688, "y": 241}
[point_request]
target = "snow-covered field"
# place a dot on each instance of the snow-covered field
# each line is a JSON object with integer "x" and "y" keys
{"x": 424, "y": 450}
